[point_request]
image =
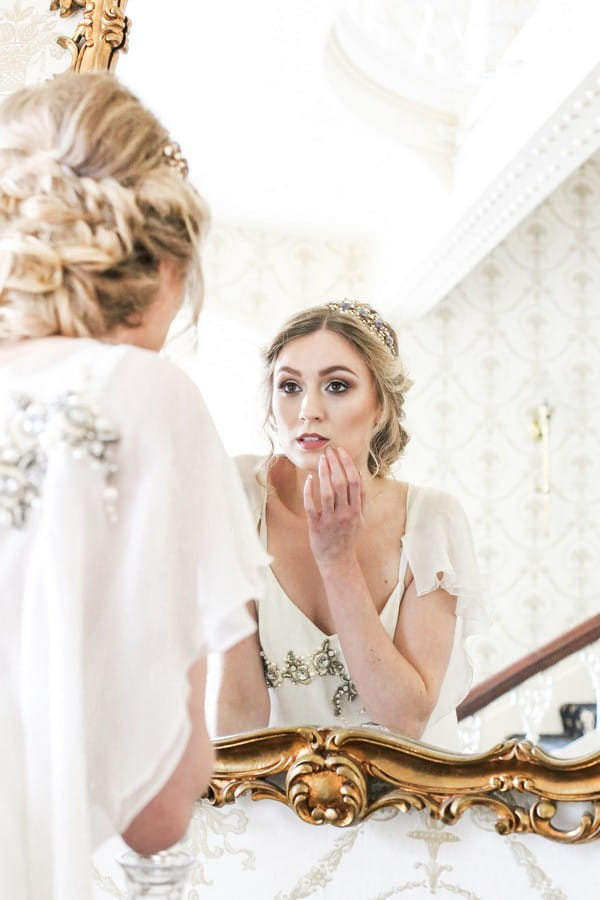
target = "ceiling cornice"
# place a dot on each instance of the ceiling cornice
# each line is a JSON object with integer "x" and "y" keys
{"x": 569, "y": 137}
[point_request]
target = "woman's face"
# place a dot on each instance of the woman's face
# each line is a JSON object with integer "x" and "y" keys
{"x": 323, "y": 394}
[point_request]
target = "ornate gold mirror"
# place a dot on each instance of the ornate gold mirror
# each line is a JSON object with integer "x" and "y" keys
{"x": 99, "y": 36}
{"x": 341, "y": 777}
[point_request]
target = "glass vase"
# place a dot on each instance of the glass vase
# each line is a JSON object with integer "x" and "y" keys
{"x": 163, "y": 875}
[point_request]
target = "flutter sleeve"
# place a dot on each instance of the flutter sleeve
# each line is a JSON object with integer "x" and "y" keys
{"x": 440, "y": 552}
{"x": 127, "y": 554}
{"x": 182, "y": 562}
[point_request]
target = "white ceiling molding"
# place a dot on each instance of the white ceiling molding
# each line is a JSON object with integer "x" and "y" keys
{"x": 569, "y": 137}
{"x": 429, "y": 130}
{"x": 415, "y": 70}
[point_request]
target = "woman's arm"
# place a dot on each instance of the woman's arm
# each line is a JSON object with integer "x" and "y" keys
{"x": 165, "y": 819}
{"x": 398, "y": 679}
{"x": 243, "y": 703}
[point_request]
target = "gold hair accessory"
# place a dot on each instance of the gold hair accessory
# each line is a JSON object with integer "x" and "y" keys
{"x": 370, "y": 318}
{"x": 174, "y": 156}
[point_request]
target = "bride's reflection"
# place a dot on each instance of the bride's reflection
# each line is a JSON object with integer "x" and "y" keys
{"x": 373, "y": 588}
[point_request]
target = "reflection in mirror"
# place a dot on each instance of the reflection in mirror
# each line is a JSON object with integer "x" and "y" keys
{"x": 515, "y": 332}
{"x": 479, "y": 362}
{"x": 374, "y": 586}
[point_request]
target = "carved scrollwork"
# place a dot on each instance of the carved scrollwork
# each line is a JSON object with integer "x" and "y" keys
{"x": 99, "y": 37}
{"x": 66, "y": 7}
{"x": 340, "y": 777}
{"x": 114, "y": 28}
{"x": 328, "y": 788}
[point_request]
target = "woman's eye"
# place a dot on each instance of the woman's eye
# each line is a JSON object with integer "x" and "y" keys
{"x": 337, "y": 387}
{"x": 289, "y": 387}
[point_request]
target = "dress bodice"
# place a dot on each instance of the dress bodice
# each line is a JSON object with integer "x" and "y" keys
{"x": 305, "y": 667}
{"x": 306, "y": 671}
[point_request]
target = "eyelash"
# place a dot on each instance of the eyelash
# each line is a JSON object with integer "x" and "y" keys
{"x": 336, "y": 381}
{"x": 344, "y": 384}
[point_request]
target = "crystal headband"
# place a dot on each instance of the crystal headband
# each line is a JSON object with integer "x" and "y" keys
{"x": 174, "y": 157}
{"x": 368, "y": 317}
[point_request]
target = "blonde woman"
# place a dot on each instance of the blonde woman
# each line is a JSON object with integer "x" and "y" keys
{"x": 126, "y": 548}
{"x": 373, "y": 585}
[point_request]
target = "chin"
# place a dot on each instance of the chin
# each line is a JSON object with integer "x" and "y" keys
{"x": 307, "y": 462}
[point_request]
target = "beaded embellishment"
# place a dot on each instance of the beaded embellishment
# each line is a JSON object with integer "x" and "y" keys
{"x": 368, "y": 317}
{"x": 31, "y": 431}
{"x": 324, "y": 661}
{"x": 174, "y": 157}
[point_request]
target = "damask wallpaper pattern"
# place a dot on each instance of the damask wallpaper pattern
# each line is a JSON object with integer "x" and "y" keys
{"x": 28, "y": 49}
{"x": 520, "y": 330}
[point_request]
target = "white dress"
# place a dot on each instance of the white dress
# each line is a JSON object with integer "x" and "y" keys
{"x": 127, "y": 552}
{"x": 305, "y": 669}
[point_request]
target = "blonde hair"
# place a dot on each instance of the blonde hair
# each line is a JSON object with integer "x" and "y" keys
{"x": 391, "y": 381}
{"x": 89, "y": 207}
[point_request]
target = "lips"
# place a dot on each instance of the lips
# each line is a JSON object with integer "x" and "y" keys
{"x": 312, "y": 441}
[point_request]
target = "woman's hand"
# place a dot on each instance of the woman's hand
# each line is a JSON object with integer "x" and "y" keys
{"x": 334, "y": 530}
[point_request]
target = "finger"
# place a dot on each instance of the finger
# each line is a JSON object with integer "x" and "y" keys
{"x": 338, "y": 477}
{"x": 353, "y": 479}
{"x": 325, "y": 486}
{"x": 309, "y": 500}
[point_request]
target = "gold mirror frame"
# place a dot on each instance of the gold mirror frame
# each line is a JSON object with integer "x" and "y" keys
{"x": 341, "y": 776}
{"x": 99, "y": 37}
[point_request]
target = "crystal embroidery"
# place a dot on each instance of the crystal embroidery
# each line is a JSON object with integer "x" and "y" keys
{"x": 324, "y": 661}
{"x": 31, "y": 431}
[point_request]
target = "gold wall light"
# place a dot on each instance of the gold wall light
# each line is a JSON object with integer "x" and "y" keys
{"x": 539, "y": 430}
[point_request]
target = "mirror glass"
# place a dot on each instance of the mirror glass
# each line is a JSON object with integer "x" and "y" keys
{"x": 339, "y": 145}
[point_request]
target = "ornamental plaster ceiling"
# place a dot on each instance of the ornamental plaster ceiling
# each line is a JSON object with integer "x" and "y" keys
{"x": 425, "y": 128}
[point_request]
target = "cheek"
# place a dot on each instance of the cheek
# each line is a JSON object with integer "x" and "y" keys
{"x": 279, "y": 412}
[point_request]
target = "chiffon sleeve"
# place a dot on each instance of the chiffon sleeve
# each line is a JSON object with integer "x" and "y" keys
{"x": 179, "y": 568}
{"x": 440, "y": 553}
{"x": 104, "y": 617}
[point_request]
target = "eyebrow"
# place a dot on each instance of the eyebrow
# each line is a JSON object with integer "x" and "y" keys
{"x": 326, "y": 371}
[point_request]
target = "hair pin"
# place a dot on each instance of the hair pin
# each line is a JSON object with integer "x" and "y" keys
{"x": 174, "y": 156}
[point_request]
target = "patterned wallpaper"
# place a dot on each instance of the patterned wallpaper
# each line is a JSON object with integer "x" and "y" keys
{"x": 28, "y": 49}
{"x": 522, "y": 329}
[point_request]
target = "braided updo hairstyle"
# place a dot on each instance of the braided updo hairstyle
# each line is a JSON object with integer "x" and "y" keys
{"x": 89, "y": 207}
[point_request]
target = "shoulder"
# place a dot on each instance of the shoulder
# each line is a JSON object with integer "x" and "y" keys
{"x": 152, "y": 402}
{"x": 427, "y": 505}
{"x": 149, "y": 372}
{"x": 146, "y": 386}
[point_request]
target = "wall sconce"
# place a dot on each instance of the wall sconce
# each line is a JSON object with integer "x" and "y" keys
{"x": 539, "y": 430}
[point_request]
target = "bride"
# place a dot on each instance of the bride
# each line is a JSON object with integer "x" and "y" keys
{"x": 373, "y": 586}
{"x": 126, "y": 548}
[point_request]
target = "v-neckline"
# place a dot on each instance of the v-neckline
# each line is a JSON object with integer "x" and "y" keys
{"x": 264, "y": 539}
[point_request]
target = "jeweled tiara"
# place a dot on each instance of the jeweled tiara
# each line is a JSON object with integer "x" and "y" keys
{"x": 368, "y": 317}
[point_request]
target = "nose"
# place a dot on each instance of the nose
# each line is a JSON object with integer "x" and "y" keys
{"x": 311, "y": 408}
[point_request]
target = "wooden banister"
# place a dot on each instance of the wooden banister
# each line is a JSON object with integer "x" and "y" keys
{"x": 536, "y": 661}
